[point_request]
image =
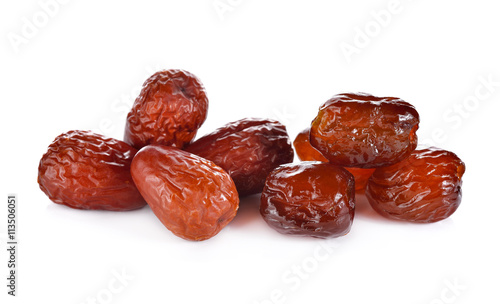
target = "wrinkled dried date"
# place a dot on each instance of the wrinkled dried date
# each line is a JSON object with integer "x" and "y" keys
{"x": 364, "y": 131}
{"x": 306, "y": 152}
{"x": 191, "y": 196}
{"x": 310, "y": 198}
{"x": 426, "y": 187}
{"x": 169, "y": 110}
{"x": 357, "y": 142}
{"x": 248, "y": 149}
{"x": 84, "y": 170}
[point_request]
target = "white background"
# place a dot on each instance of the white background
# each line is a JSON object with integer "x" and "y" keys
{"x": 82, "y": 67}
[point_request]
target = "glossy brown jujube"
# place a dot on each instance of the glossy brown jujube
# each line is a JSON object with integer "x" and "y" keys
{"x": 85, "y": 170}
{"x": 310, "y": 198}
{"x": 364, "y": 131}
{"x": 306, "y": 152}
{"x": 361, "y": 177}
{"x": 169, "y": 110}
{"x": 426, "y": 187}
{"x": 248, "y": 149}
{"x": 191, "y": 196}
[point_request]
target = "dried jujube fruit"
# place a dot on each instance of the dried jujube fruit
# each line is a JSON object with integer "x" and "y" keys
{"x": 191, "y": 196}
{"x": 306, "y": 152}
{"x": 361, "y": 177}
{"x": 248, "y": 149}
{"x": 169, "y": 110}
{"x": 85, "y": 170}
{"x": 309, "y": 198}
{"x": 426, "y": 187}
{"x": 364, "y": 131}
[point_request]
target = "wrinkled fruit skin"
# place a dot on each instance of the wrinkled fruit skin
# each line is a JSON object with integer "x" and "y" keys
{"x": 84, "y": 170}
{"x": 191, "y": 196}
{"x": 306, "y": 152}
{"x": 310, "y": 199}
{"x": 248, "y": 149}
{"x": 169, "y": 110}
{"x": 424, "y": 188}
{"x": 364, "y": 131}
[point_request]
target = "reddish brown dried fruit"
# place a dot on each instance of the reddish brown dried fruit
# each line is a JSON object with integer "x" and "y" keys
{"x": 169, "y": 111}
{"x": 248, "y": 149}
{"x": 361, "y": 177}
{"x": 364, "y": 131}
{"x": 192, "y": 197}
{"x": 311, "y": 198}
{"x": 84, "y": 170}
{"x": 306, "y": 152}
{"x": 425, "y": 188}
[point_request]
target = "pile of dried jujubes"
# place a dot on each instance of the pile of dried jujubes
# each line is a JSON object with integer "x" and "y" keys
{"x": 358, "y": 143}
